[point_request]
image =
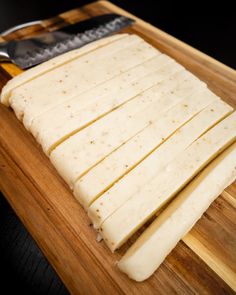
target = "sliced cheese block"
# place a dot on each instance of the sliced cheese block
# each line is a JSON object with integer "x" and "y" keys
{"x": 122, "y": 160}
{"x": 73, "y": 78}
{"x": 152, "y": 247}
{"x": 113, "y": 198}
{"x": 80, "y": 152}
{"x": 53, "y": 63}
{"x": 65, "y": 81}
{"x": 68, "y": 118}
{"x": 126, "y": 220}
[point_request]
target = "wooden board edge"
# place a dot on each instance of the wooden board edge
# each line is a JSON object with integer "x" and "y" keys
{"x": 189, "y": 50}
{"x": 13, "y": 67}
{"x": 83, "y": 282}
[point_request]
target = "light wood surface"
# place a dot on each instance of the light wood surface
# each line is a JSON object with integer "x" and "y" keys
{"x": 203, "y": 263}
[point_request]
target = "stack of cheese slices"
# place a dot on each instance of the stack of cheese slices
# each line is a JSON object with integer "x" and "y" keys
{"x": 128, "y": 128}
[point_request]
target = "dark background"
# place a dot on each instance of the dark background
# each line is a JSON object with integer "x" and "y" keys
{"x": 207, "y": 25}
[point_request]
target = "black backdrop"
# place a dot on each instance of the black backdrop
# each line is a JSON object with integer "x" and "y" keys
{"x": 206, "y": 25}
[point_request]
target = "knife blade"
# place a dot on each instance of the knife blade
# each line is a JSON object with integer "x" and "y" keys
{"x": 29, "y": 52}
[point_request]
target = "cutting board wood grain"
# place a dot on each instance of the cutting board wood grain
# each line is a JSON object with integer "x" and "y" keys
{"x": 204, "y": 262}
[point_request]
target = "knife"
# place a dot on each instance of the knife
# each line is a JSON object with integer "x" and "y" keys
{"x": 29, "y": 52}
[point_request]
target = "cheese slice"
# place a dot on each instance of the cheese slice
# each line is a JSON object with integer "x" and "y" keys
{"x": 65, "y": 81}
{"x": 133, "y": 181}
{"x": 152, "y": 247}
{"x": 122, "y": 160}
{"x": 64, "y": 120}
{"x": 53, "y": 63}
{"x": 73, "y": 78}
{"x": 140, "y": 207}
{"x": 80, "y": 152}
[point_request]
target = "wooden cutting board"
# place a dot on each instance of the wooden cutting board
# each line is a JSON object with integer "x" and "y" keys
{"x": 204, "y": 262}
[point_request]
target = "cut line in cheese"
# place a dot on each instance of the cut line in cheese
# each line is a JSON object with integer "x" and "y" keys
{"x": 133, "y": 181}
{"x": 121, "y": 161}
{"x": 152, "y": 247}
{"x": 99, "y": 71}
{"x": 53, "y": 127}
{"x": 78, "y": 76}
{"x": 82, "y": 151}
{"x": 51, "y": 64}
{"x": 66, "y": 81}
{"x": 121, "y": 224}
{"x": 127, "y": 128}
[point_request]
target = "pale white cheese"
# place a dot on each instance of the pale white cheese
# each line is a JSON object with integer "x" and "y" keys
{"x": 122, "y": 160}
{"x": 126, "y": 220}
{"x": 75, "y": 77}
{"x": 132, "y": 182}
{"x": 53, "y": 63}
{"x": 68, "y": 118}
{"x": 152, "y": 247}
{"x": 82, "y": 151}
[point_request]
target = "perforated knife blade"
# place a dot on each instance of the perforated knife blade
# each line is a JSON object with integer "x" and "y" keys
{"x": 29, "y": 52}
